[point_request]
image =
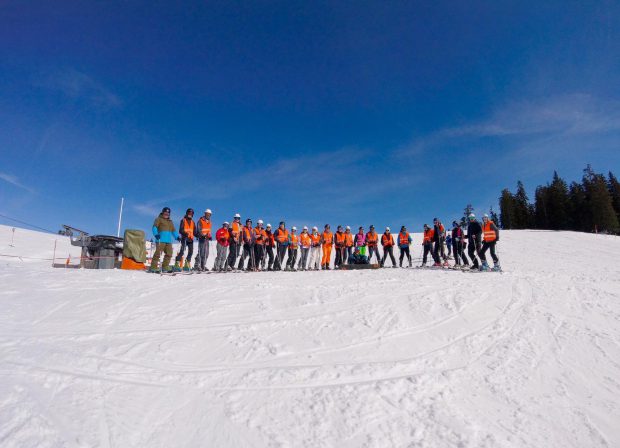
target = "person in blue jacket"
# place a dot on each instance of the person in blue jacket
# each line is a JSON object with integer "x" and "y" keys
{"x": 164, "y": 233}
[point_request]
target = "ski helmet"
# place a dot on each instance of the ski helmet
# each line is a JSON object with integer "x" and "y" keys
{"x": 260, "y": 221}
{"x": 305, "y": 228}
{"x": 282, "y": 223}
{"x": 387, "y": 229}
{"x": 189, "y": 210}
{"x": 348, "y": 228}
{"x": 472, "y": 216}
{"x": 226, "y": 223}
{"x": 268, "y": 226}
{"x": 485, "y": 216}
{"x": 315, "y": 228}
{"x": 372, "y": 227}
{"x": 165, "y": 210}
{"x": 237, "y": 215}
{"x": 294, "y": 229}
{"x": 248, "y": 220}
{"x": 208, "y": 210}
{"x": 455, "y": 224}
{"x": 426, "y": 226}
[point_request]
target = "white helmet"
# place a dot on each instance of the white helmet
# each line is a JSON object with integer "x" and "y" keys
{"x": 260, "y": 221}
{"x": 208, "y": 210}
{"x": 268, "y": 226}
{"x": 315, "y": 228}
{"x": 348, "y": 228}
{"x": 305, "y": 227}
{"x": 485, "y": 216}
{"x": 226, "y": 223}
{"x": 387, "y": 229}
{"x": 472, "y": 216}
{"x": 237, "y": 215}
{"x": 294, "y": 228}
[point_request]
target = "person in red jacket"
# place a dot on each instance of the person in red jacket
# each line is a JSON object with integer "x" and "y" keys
{"x": 222, "y": 236}
{"x": 387, "y": 241}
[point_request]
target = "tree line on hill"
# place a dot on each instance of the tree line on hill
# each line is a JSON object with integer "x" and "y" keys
{"x": 590, "y": 206}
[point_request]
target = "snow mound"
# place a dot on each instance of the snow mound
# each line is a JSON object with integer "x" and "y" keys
{"x": 392, "y": 357}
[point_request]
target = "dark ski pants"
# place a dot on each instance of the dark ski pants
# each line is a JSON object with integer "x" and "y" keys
{"x": 456, "y": 252}
{"x": 166, "y": 248}
{"x": 233, "y": 253}
{"x": 462, "y": 247}
{"x": 292, "y": 257}
{"x": 248, "y": 252}
{"x": 404, "y": 251}
{"x": 474, "y": 248}
{"x": 259, "y": 256}
{"x": 486, "y": 246}
{"x": 203, "y": 253}
{"x": 340, "y": 254}
{"x": 388, "y": 250}
{"x": 185, "y": 242}
{"x": 374, "y": 250}
{"x": 437, "y": 251}
{"x": 271, "y": 256}
{"x": 428, "y": 249}
{"x": 348, "y": 254}
{"x": 281, "y": 255}
{"x": 450, "y": 246}
{"x": 303, "y": 259}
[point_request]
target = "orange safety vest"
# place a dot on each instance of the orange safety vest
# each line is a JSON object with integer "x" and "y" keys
{"x": 205, "y": 227}
{"x": 403, "y": 238}
{"x": 327, "y": 238}
{"x": 489, "y": 233}
{"x": 282, "y": 236}
{"x": 247, "y": 233}
{"x": 305, "y": 240}
{"x": 371, "y": 239}
{"x": 339, "y": 239}
{"x": 316, "y": 239}
{"x": 188, "y": 228}
{"x": 294, "y": 241}
{"x": 236, "y": 231}
{"x": 348, "y": 237}
{"x": 385, "y": 241}
{"x": 428, "y": 235}
{"x": 260, "y": 235}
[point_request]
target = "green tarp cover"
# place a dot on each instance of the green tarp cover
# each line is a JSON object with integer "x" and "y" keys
{"x": 134, "y": 246}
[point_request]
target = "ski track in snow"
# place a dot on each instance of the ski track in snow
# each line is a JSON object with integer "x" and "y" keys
{"x": 530, "y": 358}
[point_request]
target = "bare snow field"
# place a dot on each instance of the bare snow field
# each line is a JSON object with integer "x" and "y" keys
{"x": 384, "y": 358}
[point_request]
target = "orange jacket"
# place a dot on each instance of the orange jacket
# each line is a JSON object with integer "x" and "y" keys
{"x": 327, "y": 238}
{"x": 428, "y": 236}
{"x": 371, "y": 239}
{"x": 294, "y": 241}
{"x": 305, "y": 240}
{"x": 316, "y": 240}
{"x": 260, "y": 236}
{"x": 403, "y": 239}
{"x": 282, "y": 235}
{"x": 188, "y": 228}
{"x": 205, "y": 227}
{"x": 348, "y": 238}
{"x": 387, "y": 240}
{"x": 235, "y": 231}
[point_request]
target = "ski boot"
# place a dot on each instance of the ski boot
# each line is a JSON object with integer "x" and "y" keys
{"x": 176, "y": 267}
{"x": 446, "y": 264}
{"x": 167, "y": 270}
{"x": 474, "y": 267}
{"x": 496, "y": 267}
{"x": 152, "y": 269}
{"x": 187, "y": 266}
{"x": 437, "y": 265}
{"x": 485, "y": 267}
{"x": 423, "y": 265}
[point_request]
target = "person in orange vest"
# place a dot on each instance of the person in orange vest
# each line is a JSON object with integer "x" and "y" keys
{"x": 235, "y": 241}
{"x": 270, "y": 245}
{"x": 327, "y": 240}
{"x": 490, "y": 234}
{"x": 404, "y": 240}
{"x": 427, "y": 244}
{"x": 305, "y": 243}
{"x": 315, "y": 249}
{"x": 260, "y": 238}
{"x": 247, "y": 237}
{"x": 438, "y": 239}
{"x": 282, "y": 240}
{"x": 293, "y": 248}
{"x": 387, "y": 241}
{"x": 340, "y": 244}
{"x": 372, "y": 240}
{"x": 348, "y": 240}
{"x": 203, "y": 230}
{"x": 187, "y": 231}
{"x": 222, "y": 237}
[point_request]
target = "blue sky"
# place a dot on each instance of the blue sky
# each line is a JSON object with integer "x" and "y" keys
{"x": 343, "y": 112}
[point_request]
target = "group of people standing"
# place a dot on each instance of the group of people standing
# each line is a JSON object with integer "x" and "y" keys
{"x": 258, "y": 247}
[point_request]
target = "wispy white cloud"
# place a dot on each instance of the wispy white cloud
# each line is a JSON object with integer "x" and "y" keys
{"x": 13, "y": 180}
{"x": 146, "y": 209}
{"x": 80, "y": 86}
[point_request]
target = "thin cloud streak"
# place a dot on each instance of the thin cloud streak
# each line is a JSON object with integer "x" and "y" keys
{"x": 13, "y": 180}
{"x": 80, "y": 86}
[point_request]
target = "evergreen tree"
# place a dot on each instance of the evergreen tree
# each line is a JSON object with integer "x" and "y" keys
{"x": 493, "y": 216}
{"x": 541, "y": 206}
{"x": 614, "y": 190}
{"x": 557, "y": 204}
{"x": 577, "y": 208}
{"x": 603, "y": 217}
{"x": 523, "y": 210}
{"x": 506, "y": 209}
{"x": 469, "y": 209}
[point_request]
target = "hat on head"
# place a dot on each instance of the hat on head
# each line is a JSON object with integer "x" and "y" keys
{"x": 237, "y": 215}
{"x": 208, "y": 210}
{"x": 260, "y": 221}
{"x": 165, "y": 209}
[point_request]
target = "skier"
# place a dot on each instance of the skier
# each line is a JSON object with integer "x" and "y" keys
{"x": 359, "y": 241}
{"x": 222, "y": 236}
{"x": 404, "y": 240}
{"x": 348, "y": 241}
{"x": 260, "y": 238}
{"x": 204, "y": 236}
{"x": 340, "y": 246}
{"x": 235, "y": 241}
{"x": 474, "y": 237}
{"x": 449, "y": 244}
{"x": 187, "y": 231}
{"x": 315, "y": 249}
{"x": 457, "y": 239}
{"x": 427, "y": 244}
{"x": 327, "y": 240}
{"x": 438, "y": 232}
{"x": 491, "y": 237}
{"x": 281, "y": 237}
{"x": 387, "y": 241}
{"x": 293, "y": 247}
{"x": 372, "y": 240}
{"x": 305, "y": 243}
{"x": 270, "y": 245}
{"x": 164, "y": 233}
{"x": 247, "y": 237}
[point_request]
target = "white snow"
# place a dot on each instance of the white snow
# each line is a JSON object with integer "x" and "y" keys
{"x": 392, "y": 357}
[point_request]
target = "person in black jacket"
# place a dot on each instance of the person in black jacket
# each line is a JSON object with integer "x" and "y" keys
{"x": 474, "y": 238}
{"x": 457, "y": 242}
{"x": 438, "y": 238}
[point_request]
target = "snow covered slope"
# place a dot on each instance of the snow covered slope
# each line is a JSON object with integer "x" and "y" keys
{"x": 392, "y": 357}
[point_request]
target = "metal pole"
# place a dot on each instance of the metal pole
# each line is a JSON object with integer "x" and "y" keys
{"x": 120, "y": 217}
{"x": 12, "y": 236}
{"x": 54, "y": 256}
